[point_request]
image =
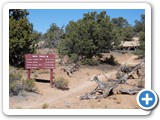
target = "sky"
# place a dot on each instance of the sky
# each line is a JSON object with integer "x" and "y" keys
{"x": 43, "y": 18}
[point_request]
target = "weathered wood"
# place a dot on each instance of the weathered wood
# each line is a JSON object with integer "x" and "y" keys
{"x": 106, "y": 88}
{"x": 87, "y": 96}
{"x": 68, "y": 69}
{"x": 74, "y": 68}
{"x": 101, "y": 85}
{"x": 126, "y": 76}
{"x": 130, "y": 91}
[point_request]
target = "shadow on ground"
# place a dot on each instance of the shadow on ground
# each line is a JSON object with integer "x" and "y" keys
{"x": 42, "y": 80}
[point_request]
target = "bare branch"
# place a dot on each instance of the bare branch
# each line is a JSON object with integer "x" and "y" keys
{"x": 106, "y": 88}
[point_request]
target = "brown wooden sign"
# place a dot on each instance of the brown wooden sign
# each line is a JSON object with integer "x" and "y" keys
{"x": 40, "y": 61}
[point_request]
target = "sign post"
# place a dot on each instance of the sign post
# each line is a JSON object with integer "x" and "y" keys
{"x": 40, "y": 61}
{"x": 28, "y": 74}
{"x": 51, "y": 77}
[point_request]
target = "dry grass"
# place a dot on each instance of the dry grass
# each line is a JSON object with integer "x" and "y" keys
{"x": 43, "y": 71}
{"x": 35, "y": 75}
{"x": 141, "y": 83}
{"x": 45, "y": 106}
{"x": 15, "y": 85}
{"x": 30, "y": 85}
{"x": 61, "y": 83}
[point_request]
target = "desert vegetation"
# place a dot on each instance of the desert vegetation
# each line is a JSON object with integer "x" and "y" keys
{"x": 94, "y": 48}
{"x": 17, "y": 85}
{"x": 61, "y": 83}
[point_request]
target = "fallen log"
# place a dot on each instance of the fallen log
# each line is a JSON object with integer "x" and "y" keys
{"x": 126, "y": 76}
{"x": 130, "y": 91}
{"x": 106, "y": 88}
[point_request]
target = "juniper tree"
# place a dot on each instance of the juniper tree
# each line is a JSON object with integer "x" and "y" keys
{"x": 20, "y": 41}
{"x": 89, "y": 36}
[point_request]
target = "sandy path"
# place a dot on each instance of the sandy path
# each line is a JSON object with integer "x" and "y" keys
{"x": 69, "y": 99}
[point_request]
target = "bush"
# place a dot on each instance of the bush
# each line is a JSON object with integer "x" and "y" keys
{"x": 139, "y": 52}
{"x": 141, "y": 48}
{"x": 73, "y": 58}
{"x": 61, "y": 83}
{"x": 14, "y": 77}
{"x": 45, "y": 105}
{"x": 111, "y": 60}
{"x": 29, "y": 85}
{"x": 14, "y": 84}
{"x": 17, "y": 85}
{"x": 15, "y": 88}
{"x": 91, "y": 62}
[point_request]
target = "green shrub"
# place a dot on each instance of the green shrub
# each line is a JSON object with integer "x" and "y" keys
{"x": 141, "y": 49}
{"x": 139, "y": 52}
{"x": 29, "y": 85}
{"x": 111, "y": 60}
{"x": 61, "y": 83}
{"x": 17, "y": 85}
{"x": 90, "y": 62}
{"x": 14, "y": 82}
{"x": 73, "y": 58}
{"x": 14, "y": 77}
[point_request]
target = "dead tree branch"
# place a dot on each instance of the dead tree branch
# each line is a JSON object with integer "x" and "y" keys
{"x": 106, "y": 88}
{"x": 130, "y": 91}
{"x": 70, "y": 70}
{"x": 66, "y": 69}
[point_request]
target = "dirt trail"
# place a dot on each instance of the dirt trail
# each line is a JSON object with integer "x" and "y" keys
{"x": 78, "y": 86}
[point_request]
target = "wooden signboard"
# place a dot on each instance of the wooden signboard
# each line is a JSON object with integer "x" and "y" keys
{"x": 40, "y": 61}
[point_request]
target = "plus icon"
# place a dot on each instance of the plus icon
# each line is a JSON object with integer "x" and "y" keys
{"x": 147, "y": 99}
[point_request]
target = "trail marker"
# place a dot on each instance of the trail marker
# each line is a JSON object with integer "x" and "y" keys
{"x": 40, "y": 61}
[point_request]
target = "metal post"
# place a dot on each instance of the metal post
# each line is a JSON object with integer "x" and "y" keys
{"x": 51, "y": 77}
{"x": 28, "y": 74}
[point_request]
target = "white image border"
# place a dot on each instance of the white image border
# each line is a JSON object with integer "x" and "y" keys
{"x": 5, "y": 52}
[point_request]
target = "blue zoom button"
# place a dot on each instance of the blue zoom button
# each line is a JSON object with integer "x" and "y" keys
{"x": 147, "y": 99}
